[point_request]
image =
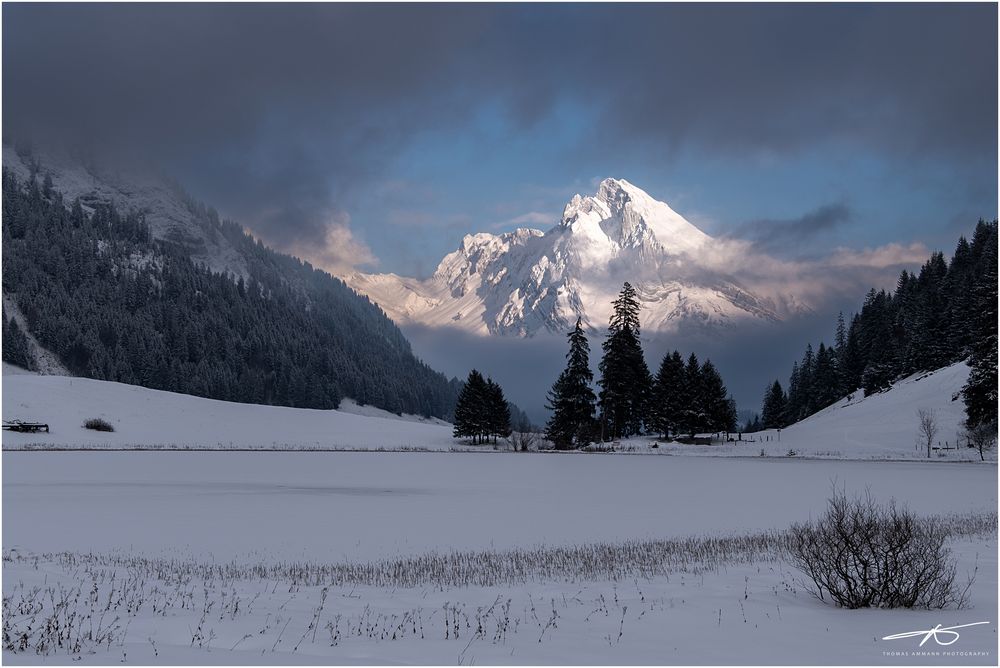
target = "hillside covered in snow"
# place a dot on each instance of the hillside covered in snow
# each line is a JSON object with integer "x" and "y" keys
{"x": 880, "y": 426}
{"x": 144, "y": 418}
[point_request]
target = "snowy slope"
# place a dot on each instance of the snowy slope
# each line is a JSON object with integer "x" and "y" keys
{"x": 881, "y": 426}
{"x": 153, "y": 418}
{"x": 887, "y": 422}
{"x": 528, "y": 281}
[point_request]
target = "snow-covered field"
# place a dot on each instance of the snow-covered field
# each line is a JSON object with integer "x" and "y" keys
{"x": 882, "y": 426}
{"x": 739, "y": 614}
{"x": 238, "y": 557}
{"x": 313, "y": 505}
{"x": 273, "y": 509}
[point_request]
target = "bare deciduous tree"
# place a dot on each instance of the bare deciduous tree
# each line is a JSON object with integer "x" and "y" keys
{"x": 928, "y": 428}
{"x": 982, "y": 437}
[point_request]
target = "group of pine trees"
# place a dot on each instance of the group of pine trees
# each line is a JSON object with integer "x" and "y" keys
{"x": 945, "y": 313}
{"x": 482, "y": 411}
{"x": 115, "y": 304}
{"x": 681, "y": 398}
{"x": 690, "y": 398}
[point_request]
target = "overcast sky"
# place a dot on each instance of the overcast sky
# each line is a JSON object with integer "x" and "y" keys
{"x": 378, "y": 135}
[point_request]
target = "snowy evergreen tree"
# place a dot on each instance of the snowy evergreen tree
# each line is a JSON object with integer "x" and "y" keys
{"x": 16, "y": 349}
{"x": 980, "y": 392}
{"x": 668, "y": 396}
{"x": 840, "y": 356}
{"x": 825, "y": 385}
{"x": 496, "y": 416}
{"x": 571, "y": 398}
{"x": 774, "y": 410}
{"x": 625, "y": 379}
{"x": 472, "y": 409}
{"x": 718, "y": 409}
{"x": 693, "y": 418}
{"x": 959, "y": 289}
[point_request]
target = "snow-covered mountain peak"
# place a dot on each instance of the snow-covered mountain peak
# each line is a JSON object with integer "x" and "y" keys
{"x": 629, "y": 217}
{"x": 526, "y": 281}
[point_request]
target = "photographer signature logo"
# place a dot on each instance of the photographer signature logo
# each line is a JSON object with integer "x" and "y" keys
{"x": 943, "y": 635}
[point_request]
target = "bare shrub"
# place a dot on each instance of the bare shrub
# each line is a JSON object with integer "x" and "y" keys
{"x": 523, "y": 441}
{"x": 98, "y": 424}
{"x": 862, "y": 554}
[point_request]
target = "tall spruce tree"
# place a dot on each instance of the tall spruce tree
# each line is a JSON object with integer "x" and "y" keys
{"x": 571, "y": 398}
{"x": 773, "y": 412}
{"x": 718, "y": 409}
{"x": 668, "y": 396}
{"x": 961, "y": 303}
{"x": 980, "y": 392}
{"x": 625, "y": 378}
{"x": 840, "y": 355}
{"x": 693, "y": 418}
{"x": 825, "y": 384}
{"x": 496, "y": 410}
{"x": 471, "y": 409}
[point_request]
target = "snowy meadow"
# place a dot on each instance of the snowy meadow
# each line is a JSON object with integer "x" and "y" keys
{"x": 304, "y": 557}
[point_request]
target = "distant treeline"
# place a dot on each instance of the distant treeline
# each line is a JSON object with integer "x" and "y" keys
{"x": 945, "y": 313}
{"x": 115, "y": 304}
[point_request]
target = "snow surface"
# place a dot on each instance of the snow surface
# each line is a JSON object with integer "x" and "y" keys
{"x": 363, "y": 505}
{"x": 738, "y": 615}
{"x": 153, "y": 418}
{"x": 269, "y": 508}
{"x": 528, "y": 281}
{"x": 882, "y": 426}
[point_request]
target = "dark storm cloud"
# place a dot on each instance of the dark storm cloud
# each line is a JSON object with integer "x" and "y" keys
{"x": 771, "y": 235}
{"x": 910, "y": 79}
{"x": 279, "y": 113}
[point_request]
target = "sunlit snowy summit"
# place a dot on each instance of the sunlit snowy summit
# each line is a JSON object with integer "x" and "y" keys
{"x": 528, "y": 281}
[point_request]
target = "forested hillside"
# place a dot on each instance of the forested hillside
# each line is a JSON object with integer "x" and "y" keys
{"x": 945, "y": 313}
{"x": 113, "y": 303}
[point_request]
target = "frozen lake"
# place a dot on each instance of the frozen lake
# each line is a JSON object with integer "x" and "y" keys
{"x": 335, "y": 506}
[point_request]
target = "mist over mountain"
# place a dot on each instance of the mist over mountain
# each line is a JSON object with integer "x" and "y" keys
{"x": 526, "y": 282}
